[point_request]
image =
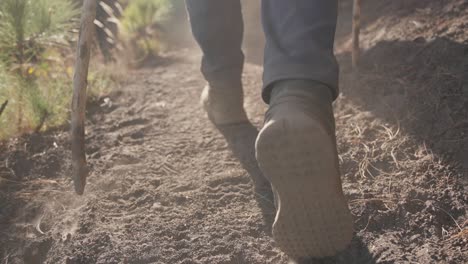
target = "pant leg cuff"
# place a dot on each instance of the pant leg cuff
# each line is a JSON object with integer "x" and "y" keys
{"x": 298, "y": 72}
{"x": 232, "y": 76}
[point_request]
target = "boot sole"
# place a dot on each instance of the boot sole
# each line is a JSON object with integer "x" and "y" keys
{"x": 300, "y": 159}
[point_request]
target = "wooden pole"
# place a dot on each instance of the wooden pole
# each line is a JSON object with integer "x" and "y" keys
{"x": 80, "y": 83}
{"x": 356, "y": 32}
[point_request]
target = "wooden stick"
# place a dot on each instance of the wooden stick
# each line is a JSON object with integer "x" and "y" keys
{"x": 2, "y": 108}
{"x": 80, "y": 83}
{"x": 356, "y": 32}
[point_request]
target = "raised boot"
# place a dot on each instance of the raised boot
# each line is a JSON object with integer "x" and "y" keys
{"x": 296, "y": 150}
{"x": 224, "y": 103}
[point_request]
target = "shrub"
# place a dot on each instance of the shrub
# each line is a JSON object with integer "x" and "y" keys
{"x": 34, "y": 35}
{"x": 27, "y": 27}
{"x": 8, "y": 91}
{"x": 141, "y": 26}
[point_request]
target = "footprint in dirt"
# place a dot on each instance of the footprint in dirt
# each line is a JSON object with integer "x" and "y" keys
{"x": 36, "y": 252}
{"x": 356, "y": 253}
{"x": 241, "y": 141}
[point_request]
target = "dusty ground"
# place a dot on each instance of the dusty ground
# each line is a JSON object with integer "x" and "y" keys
{"x": 168, "y": 187}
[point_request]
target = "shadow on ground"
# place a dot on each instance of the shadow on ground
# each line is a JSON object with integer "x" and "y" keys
{"x": 241, "y": 140}
{"x": 356, "y": 253}
{"x": 417, "y": 87}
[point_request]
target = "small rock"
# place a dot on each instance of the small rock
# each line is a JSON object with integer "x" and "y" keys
{"x": 157, "y": 206}
{"x": 414, "y": 237}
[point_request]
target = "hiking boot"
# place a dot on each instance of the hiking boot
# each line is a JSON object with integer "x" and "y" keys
{"x": 296, "y": 150}
{"x": 224, "y": 104}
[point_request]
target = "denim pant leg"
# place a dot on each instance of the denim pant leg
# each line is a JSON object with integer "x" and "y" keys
{"x": 218, "y": 28}
{"x": 299, "y": 42}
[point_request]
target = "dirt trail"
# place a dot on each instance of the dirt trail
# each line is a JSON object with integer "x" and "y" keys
{"x": 169, "y": 187}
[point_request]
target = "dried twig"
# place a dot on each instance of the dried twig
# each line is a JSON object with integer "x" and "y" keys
{"x": 2, "y": 108}
{"x": 443, "y": 210}
{"x": 38, "y": 225}
{"x": 461, "y": 234}
{"x": 356, "y": 32}
{"x": 366, "y": 200}
{"x": 44, "y": 117}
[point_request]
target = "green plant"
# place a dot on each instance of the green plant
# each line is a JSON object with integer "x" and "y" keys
{"x": 30, "y": 32}
{"x": 143, "y": 13}
{"x": 8, "y": 91}
{"x": 141, "y": 26}
{"x": 36, "y": 65}
{"x": 27, "y": 27}
{"x": 45, "y": 102}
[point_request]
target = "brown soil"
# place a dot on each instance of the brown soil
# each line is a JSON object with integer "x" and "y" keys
{"x": 168, "y": 187}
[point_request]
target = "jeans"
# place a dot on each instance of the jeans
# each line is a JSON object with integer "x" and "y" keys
{"x": 299, "y": 41}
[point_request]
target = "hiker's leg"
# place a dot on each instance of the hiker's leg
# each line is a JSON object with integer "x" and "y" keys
{"x": 299, "y": 42}
{"x": 218, "y": 28}
{"x": 296, "y": 148}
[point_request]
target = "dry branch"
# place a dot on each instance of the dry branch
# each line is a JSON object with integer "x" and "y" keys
{"x": 80, "y": 83}
{"x": 2, "y": 108}
{"x": 356, "y": 32}
{"x": 42, "y": 121}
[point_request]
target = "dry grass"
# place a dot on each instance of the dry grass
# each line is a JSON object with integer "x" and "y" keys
{"x": 398, "y": 138}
